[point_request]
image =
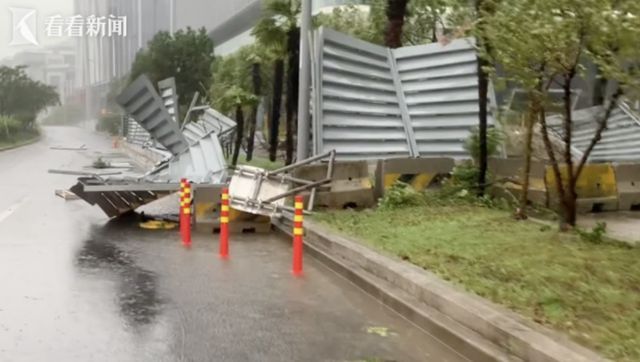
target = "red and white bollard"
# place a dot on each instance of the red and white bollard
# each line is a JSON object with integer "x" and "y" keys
{"x": 298, "y": 232}
{"x": 224, "y": 224}
{"x": 185, "y": 212}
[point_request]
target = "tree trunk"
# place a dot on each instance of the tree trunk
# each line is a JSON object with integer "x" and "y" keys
{"x": 483, "y": 97}
{"x": 293, "y": 49}
{"x": 526, "y": 173}
{"x": 239, "y": 135}
{"x": 396, "y": 12}
{"x": 599, "y": 88}
{"x": 571, "y": 197}
{"x": 276, "y": 104}
{"x": 257, "y": 90}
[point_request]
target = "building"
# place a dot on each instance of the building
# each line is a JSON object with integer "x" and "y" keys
{"x": 54, "y": 65}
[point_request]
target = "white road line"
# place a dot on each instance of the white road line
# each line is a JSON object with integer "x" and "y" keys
{"x": 5, "y": 214}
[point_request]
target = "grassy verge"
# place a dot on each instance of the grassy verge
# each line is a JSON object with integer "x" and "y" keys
{"x": 18, "y": 140}
{"x": 258, "y": 161}
{"x": 591, "y": 291}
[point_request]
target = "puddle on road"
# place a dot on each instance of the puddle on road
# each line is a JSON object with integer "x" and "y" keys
{"x": 137, "y": 294}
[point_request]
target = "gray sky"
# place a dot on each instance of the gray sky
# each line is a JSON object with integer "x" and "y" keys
{"x": 45, "y": 8}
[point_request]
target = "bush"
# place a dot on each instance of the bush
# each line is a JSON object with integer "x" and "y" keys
{"x": 9, "y": 127}
{"x": 400, "y": 195}
{"x": 494, "y": 140}
{"x": 110, "y": 124}
{"x": 596, "y": 235}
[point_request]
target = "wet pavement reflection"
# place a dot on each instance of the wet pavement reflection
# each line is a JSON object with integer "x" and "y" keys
{"x": 75, "y": 287}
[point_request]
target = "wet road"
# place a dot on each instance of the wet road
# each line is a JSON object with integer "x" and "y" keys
{"x": 75, "y": 287}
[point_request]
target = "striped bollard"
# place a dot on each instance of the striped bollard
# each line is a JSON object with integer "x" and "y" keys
{"x": 224, "y": 224}
{"x": 297, "y": 236}
{"x": 185, "y": 212}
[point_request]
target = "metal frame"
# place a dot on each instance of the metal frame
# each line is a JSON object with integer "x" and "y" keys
{"x": 402, "y": 102}
{"x": 267, "y": 206}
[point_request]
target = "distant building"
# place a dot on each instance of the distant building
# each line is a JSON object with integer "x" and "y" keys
{"x": 54, "y": 65}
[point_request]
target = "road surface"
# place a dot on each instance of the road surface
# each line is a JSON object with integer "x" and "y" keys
{"x": 76, "y": 287}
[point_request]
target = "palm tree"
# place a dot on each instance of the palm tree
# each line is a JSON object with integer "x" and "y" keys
{"x": 256, "y": 80}
{"x": 396, "y": 13}
{"x": 237, "y": 98}
{"x": 278, "y": 30}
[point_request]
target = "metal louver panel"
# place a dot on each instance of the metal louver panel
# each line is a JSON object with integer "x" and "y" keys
{"x": 620, "y": 141}
{"x": 143, "y": 103}
{"x": 169, "y": 96}
{"x": 358, "y": 110}
{"x": 378, "y": 103}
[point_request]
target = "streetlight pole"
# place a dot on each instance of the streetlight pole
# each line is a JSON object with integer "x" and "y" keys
{"x": 304, "y": 82}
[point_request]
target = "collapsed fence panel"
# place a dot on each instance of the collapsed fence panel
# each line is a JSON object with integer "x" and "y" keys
{"x": 620, "y": 140}
{"x": 169, "y": 96}
{"x": 143, "y": 103}
{"x": 372, "y": 102}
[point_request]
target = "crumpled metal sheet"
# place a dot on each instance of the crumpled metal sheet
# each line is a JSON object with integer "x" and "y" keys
{"x": 210, "y": 121}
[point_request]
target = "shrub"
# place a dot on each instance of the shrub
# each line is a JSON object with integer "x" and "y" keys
{"x": 110, "y": 123}
{"x": 400, "y": 195}
{"x": 9, "y": 127}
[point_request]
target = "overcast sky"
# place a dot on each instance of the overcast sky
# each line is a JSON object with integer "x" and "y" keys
{"x": 44, "y": 8}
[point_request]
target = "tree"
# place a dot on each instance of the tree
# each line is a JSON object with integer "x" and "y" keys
{"x": 396, "y": 12}
{"x": 256, "y": 77}
{"x": 23, "y": 98}
{"x": 235, "y": 98}
{"x": 546, "y": 43}
{"x": 278, "y": 30}
{"x": 186, "y": 55}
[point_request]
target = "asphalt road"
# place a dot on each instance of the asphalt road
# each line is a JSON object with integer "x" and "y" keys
{"x": 77, "y": 287}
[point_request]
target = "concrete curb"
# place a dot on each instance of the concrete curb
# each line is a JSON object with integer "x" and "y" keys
{"x": 22, "y": 144}
{"x": 476, "y": 328}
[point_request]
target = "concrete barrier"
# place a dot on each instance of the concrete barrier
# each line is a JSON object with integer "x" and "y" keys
{"x": 628, "y": 184}
{"x": 207, "y": 214}
{"x": 351, "y": 186}
{"x": 508, "y": 172}
{"x": 596, "y": 188}
{"x": 417, "y": 172}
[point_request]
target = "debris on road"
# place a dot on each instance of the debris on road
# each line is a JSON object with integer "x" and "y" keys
{"x": 83, "y": 147}
{"x": 84, "y": 173}
{"x": 66, "y": 195}
{"x": 158, "y": 225}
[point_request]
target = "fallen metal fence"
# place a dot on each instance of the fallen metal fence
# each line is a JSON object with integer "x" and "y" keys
{"x": 620, "y": 141}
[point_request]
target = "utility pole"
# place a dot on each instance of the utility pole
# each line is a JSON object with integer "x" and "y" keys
{"x": 304, "y": 82}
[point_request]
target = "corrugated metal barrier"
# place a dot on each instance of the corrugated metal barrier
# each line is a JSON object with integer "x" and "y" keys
{"x": 379, "y": 103}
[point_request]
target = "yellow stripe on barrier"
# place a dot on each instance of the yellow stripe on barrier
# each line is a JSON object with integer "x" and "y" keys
{"x": 297, "y": 218}
{"x": 186, "y": 210}
{"x": 298, "y": 232}
{"x": 224, "y": 208}
{"x": 224, "y": 219}
{"x": 225, "y": 197}
{"x": 299, "y": 205}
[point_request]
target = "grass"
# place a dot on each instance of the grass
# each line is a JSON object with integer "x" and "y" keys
{"x": 259, "y": 161}
{"x": 589, "y": 291}
{"x": 18, "y": 139}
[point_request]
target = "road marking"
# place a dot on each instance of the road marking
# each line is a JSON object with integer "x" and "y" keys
{"x": 5, "y": 214}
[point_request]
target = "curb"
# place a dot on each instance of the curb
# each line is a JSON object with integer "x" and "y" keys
{"x": 22, "y": 144}
{"x": 476, "y": 328}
